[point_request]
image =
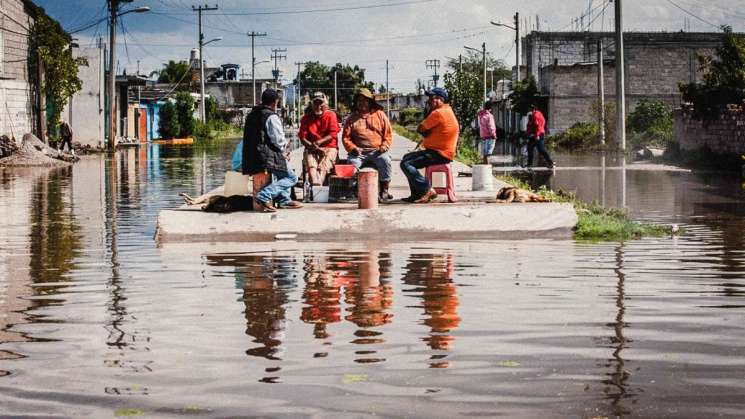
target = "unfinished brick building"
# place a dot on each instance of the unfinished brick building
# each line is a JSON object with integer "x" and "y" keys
{"x": 564, "y": 65}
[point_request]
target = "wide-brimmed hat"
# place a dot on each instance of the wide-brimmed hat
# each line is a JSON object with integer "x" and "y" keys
{"x": 318, "y": 96}
{"x": 364, "y": 93}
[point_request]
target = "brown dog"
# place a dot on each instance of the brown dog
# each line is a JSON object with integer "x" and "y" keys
{"x": 513, "y": 194}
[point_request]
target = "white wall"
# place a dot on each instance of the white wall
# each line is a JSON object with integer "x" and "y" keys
{"x": 85, "y": 110}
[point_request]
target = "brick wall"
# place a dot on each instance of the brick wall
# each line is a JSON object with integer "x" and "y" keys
{"x": 725, "y": 135}
{"x": 15, "y": 93}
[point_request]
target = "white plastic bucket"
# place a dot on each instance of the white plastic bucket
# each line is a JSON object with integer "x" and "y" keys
{"x": 483, "y": 179}
{"x": 321, "y": 194}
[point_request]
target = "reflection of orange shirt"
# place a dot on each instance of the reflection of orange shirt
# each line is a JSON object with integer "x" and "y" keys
{"x": 443, "y": 127}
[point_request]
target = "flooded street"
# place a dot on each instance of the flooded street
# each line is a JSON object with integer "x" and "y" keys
{"x": 97, "y": 320}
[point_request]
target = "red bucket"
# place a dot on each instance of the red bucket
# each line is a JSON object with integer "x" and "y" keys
{"x": 344, "y": 170}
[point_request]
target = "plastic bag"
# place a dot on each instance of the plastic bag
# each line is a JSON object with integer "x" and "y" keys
{"x": 237, "y": 161}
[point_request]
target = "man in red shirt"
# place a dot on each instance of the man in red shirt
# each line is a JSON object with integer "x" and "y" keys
{"x": 536, "y": 133}
{"x": 318, "y": 133}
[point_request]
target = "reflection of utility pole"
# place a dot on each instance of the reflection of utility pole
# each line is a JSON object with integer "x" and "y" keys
{"x": 619, "y": 375}
{"x": 276, "y": 56}
{"x": 253, "y": 36}
{"x": 434, "y": 65}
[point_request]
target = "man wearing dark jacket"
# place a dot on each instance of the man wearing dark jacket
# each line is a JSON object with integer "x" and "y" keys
{"x": 264, "y": 145}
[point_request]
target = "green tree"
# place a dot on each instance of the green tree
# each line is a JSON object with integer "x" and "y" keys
{"x": 724, "y": 80}
{"x": 524, "y": 94}
{"x": 175, "y": 72}
{"x": 185, "y": 113}
{"x": 169, "y": 126}
{"x": 50, "y": 46}
{"x": 472, "y": 63}
{"x": 465, "y": 95}
{"x": 317, "y": 76}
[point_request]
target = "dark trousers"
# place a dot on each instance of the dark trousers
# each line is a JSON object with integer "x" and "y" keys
{"x": 412, "y": 162}
{"x": 540, "y": 143}
{"x": 68, "y": 141}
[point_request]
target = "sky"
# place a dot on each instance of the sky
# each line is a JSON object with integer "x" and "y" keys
{"x": 364, "y": 32}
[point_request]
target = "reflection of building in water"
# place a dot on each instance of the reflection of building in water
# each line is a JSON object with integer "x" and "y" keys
{"x": 431, "y": 276}
{"x": 266, "y": 281}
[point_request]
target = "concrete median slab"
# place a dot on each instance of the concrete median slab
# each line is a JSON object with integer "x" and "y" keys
{"x": 389, "y": 222}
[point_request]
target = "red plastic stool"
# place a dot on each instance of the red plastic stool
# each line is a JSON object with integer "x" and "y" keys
{"x": 449, "y": 188}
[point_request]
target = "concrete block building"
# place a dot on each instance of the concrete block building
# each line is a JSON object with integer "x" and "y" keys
{"x": 16, "y": 96}
{"x": 565, "y": 67}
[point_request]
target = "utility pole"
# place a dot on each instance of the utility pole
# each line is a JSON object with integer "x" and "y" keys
{"x": 517, "y": 47}
{"x": 483, "y": 62}
{"x": 276, "y": 56}
{"x": 434, "y": 65}
{"x": 620, "y": 85}
{"x": 253, "y": 36}
{"x": 202, "y": 107}
{"x": 601, "y": 90}
{"x": 298, "y": 112}
{"x": 113, "y": 11}
{"x": 336, "y": 104}
{"x": 387, "y": 91}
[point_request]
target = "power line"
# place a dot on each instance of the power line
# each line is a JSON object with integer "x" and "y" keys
{"x": 325, "y": 10}
{"x": 692, "y": 14}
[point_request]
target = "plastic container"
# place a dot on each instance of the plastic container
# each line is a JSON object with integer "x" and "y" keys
{"x": 321, "y": 194}
{"x": 344, "y": 170}
{"x": 483, "y": 179}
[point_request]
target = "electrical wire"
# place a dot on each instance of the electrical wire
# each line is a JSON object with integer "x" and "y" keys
{"x": 325, "y": 10}
{"x": 692, "y": 14}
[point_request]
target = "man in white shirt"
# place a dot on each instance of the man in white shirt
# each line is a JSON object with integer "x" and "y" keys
{"x": 264, "y": 151}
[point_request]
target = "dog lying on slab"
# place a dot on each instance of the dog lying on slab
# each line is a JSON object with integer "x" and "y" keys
{"x": 220, "y": 203}
{"x": 512, "y": 194}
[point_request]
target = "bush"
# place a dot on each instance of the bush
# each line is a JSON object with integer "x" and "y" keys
{"x": 651, "y": 124}
{"x": 580, "y": 136}
{"x": 410, "y": 116}
{"x": 185, "y": 113}
{"x": 169, "y": 124}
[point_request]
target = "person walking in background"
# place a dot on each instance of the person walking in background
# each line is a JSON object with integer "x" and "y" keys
{"x": 536, "y": 131}
{"x": 264, "y": 145}
{"x": 318, "y": 131}
{"x": 440, "y": 131}
{"x": 66, "y": 136}
{"x": 487, "y": 132}
{"x": 367, "y": 137}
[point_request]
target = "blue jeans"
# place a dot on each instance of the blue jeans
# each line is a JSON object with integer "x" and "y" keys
{"x": 538, "y": 142}
{"x": 279, "y": 189}
{"x": 381, "y": 162}
{"x": 412, "y": 162}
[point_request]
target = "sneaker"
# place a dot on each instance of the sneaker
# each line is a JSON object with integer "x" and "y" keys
{"x": 385, "y": 196}
{"x": 290, "y": 205}
{"x": 427, "y": 197}
{"x": 267, "y": 206}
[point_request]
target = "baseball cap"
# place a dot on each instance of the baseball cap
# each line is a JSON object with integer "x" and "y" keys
{"x": 438, "y": 91}
{"x": 318, "y": 96}
{"x": 269, "y": 96}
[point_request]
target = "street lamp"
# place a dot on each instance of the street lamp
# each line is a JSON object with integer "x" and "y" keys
{"x": 483, "y": 61}
{"x": 515, "y": 28}
{"x": 202, "y": 105}
{"x": 114, "y": 9}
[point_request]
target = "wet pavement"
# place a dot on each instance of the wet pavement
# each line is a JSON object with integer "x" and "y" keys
{"x": 96, "y": 320}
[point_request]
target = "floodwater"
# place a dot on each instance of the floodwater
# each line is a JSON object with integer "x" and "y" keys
{"x": 98, "y": 321}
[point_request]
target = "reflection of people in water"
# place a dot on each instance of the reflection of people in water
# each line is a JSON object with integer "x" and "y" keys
{"x": 321, "y": 296}
{"x": 369, "y": 297}
{"x": 431, "y": 275}
{"x": 265, "y": 281}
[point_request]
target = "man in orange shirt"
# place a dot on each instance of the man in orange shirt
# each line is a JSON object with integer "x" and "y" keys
{"x": 367, "y": 136}
{"x": 440, "y": 131}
